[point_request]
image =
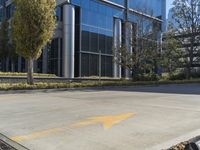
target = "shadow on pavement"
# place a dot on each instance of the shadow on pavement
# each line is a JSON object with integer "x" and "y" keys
{"x": 193, "y": 89}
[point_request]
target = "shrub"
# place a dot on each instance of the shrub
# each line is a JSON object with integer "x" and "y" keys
{"x": 195, "y": 74}
{"x": 182, "y": 76}
{"x": 47, "y": 85}
{"x": 146, "y": 77}
{"x": 25, "y": 74}
{"x": 178, "y": 76}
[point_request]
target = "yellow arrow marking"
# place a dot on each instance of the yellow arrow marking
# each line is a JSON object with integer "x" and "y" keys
{"x": 37, "y": 134}
{"x": 106, "y": 121}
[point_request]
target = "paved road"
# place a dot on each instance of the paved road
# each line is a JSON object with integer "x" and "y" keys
{"x": 132, "y": 118}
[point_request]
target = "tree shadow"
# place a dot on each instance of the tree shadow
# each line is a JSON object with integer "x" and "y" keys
{"x": 188, "y": 89}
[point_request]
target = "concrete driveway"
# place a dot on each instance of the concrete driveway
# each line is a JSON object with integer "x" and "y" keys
{"x": 129, "y": 118}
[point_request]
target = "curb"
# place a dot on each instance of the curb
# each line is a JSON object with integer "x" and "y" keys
{"x": 170, "y": 143}
{"x": 14, "y": 145}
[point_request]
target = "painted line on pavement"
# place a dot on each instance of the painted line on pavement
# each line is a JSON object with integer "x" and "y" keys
{"x": 107, "y": 122}
{"x": 37, "y": 134}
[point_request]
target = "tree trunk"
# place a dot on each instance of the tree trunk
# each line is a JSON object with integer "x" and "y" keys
{"x": 30, "y": 71}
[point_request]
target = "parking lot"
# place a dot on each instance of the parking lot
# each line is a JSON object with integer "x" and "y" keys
{"x": 112, "y": 118}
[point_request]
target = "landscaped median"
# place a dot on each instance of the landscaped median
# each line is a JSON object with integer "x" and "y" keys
{"x": 45, "y": 85}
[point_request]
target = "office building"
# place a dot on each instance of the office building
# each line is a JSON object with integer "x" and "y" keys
{"x": 87, "y": 31}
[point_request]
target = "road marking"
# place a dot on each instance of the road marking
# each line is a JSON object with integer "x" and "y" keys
{"x": 106, "y": 121}
{"x": 35, "y": 135}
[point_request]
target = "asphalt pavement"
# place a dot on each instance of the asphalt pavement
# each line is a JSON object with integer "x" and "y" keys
{"x": 113, "y": 118}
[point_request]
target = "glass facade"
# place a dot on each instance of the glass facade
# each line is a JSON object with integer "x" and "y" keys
{"x": 2, "y": 4}
{"x": 52, "y": 59}
{"x": 96, "y": 37}
{"x": 150, "y": 7}
{"x": 97, "y": 21}
{"x": 94, "y": 33}
{"x": 10, "y": 10}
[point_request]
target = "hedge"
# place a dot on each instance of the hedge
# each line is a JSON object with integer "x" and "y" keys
{"x": 25, "y": 74}
{"x": 41, "y": 85}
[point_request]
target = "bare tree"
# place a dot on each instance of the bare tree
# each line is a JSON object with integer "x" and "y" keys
{"x": 187, "y": 29}
{"x": 141, "y": 54}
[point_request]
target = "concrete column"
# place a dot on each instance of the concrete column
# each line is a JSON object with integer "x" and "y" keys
{"x": 117, "y": 45}
{"x": 68, "y": 40}
{"x": 59, "y": 57}
{"x": 129, "y": 44}
{"x": 45, "y": 60}
{"x": 19, "y": 64}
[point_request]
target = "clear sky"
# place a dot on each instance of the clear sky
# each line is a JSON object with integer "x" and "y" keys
{"x": 169, "y": 2}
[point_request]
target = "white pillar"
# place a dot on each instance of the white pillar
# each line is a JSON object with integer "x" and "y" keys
{"x": 68, "y": 40}
{"x": 59, "y": 57}
{"x": 129, "y": 44}
{"x": 117, "y": 45}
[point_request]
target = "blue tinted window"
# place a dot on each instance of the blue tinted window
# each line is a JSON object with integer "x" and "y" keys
{"x": 97, "y": 30}
{"x": 59, "y": 13}
{"x": 151, "y": 7}
{"x": 121, "y": 2}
